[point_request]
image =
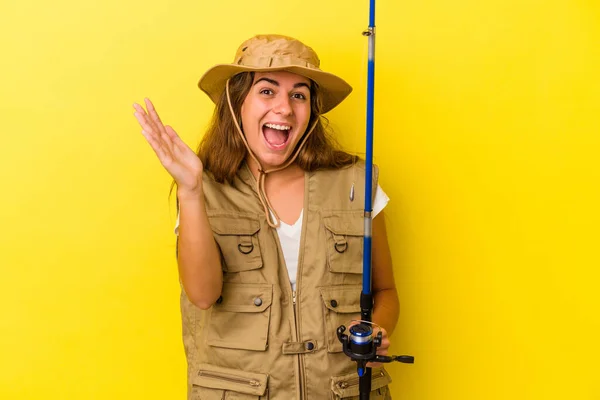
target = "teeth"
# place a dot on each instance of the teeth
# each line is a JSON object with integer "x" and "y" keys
{"x": 278, "y": 127}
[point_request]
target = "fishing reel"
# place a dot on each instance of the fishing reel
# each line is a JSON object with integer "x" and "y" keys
{"x": 361, "y": 346}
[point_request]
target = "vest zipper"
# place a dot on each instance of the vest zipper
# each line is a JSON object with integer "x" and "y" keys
{"x": 299, "y": 282}
{"x": 300, "y": 360}
{"x": 301, "y": 390}
{"x": 229, "y": 378}
{"x": 354, "y": 381}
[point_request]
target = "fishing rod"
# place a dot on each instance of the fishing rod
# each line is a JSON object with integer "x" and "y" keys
{"x": 360, "y": 345}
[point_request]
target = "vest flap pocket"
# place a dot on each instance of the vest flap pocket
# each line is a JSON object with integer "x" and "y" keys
{"x": 229, "y": 379}
{"x": 341, "y": 306}
{"x": 244, "y": 298}
{"x": 234, "y": 225}
{"x": 346, "y": 224}
{"x": 347, "y": 386}
{"x": 342, "y": 299}
{"x": 237, "y": 237}
{"x": 344, "y": 233}
{"x": 240, "y": 318}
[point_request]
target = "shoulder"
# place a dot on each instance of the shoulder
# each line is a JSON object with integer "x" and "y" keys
{"x": 354, "y": 172}
{"x": 229, "y": 197}
{"x": 340, "y": 188}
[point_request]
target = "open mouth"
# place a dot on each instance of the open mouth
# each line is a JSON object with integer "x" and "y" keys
{"x": 276, "y": 135}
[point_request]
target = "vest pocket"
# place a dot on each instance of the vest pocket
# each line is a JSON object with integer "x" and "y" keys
{"x": 345, "y": 234}
{"x": 341, "y": 306}
{"x": 240, "y": 318}
{"x": 219, "y": 383}
{"x": 237, "y": 238}
{"x": 346, "y": 387}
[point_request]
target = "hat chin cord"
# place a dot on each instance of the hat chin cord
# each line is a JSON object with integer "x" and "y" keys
{"x": 262, "y": 173}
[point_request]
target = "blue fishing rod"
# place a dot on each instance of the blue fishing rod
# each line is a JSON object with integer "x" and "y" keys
{"x": 361, "y": 345}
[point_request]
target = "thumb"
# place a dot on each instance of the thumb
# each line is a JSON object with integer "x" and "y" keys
{"x": 175, "y": 138}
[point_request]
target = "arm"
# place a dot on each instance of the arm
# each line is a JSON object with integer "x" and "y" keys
{"x": 199, "y": 260}
{"x": 385, "y": 299}
{"x": 386, "y": 305}
{"x": 198, "y": 257}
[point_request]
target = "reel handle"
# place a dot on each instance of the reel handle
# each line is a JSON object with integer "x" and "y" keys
{"x": 361, "y": 347}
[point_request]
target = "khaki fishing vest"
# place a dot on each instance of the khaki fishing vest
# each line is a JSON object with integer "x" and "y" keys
{"x": 261, "y": 340}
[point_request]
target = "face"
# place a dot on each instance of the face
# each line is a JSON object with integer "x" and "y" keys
{"x": 275, "y": 115}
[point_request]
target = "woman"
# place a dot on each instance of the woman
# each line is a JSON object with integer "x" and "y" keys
{"x": 270, "y": 232}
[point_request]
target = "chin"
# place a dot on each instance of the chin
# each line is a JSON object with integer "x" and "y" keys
{"x": 271, "y": 162}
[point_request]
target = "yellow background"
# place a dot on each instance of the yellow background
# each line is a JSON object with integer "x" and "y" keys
{"x": 487, "y": 135}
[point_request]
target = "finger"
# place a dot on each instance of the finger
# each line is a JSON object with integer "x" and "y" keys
{"x": 178, "y": 153}
{"x": 142, "y": 118}
{"x": 150, "y": 129}
{"x": 385, "y": 343}
{"x": 162, "y": 155}
{"x": 146, "y": 117}
{"x": 146, "y": 125}
{"x": 139, "y": 108}
{"x": 155, "y": 144}
{"x": 155, "y": 118}
{"x": 142, "y": 115}
{"x": 175, "y": 137}
{"x": 166, "y": 159}
{"x": 145, "y": 121}
{"x": 384, "y": 346}
{"x": 152, "y": 110}
{"x": 382, "y": 352}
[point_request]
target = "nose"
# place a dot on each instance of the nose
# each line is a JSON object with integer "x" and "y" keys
{"x": 283, "y": 105}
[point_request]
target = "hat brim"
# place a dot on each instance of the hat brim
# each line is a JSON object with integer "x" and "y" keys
{"x": 333, "y": 88}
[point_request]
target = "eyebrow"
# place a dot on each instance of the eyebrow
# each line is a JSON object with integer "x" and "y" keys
{"x": 274, "y": 82}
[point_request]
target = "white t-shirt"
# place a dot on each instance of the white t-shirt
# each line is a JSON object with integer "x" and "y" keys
{"x": 289, "y": 235}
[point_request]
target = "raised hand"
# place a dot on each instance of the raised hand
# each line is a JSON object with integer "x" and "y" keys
{"x": 178, "y": 159}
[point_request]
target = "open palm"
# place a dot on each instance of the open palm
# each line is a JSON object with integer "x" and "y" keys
{"x": 178, "y": 159}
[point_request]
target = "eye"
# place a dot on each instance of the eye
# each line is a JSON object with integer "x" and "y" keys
{"x": 267, "y": 92}
{"x": 299, "y": 96}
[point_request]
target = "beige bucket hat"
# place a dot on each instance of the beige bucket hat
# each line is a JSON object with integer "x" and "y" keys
{"x": 276, "y": 53}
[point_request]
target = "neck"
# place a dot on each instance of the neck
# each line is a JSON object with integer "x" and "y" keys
{"x": 290, "y": 172}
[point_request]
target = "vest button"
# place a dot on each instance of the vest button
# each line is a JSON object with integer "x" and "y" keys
{"x": 310, "y": 346}
{"x": 220, "y": 300}
{"x": 257, "y": 301}
{"x": 334, "y": 303}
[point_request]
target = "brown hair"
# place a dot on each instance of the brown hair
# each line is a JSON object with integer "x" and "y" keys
{"x": 223, "y": 152}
